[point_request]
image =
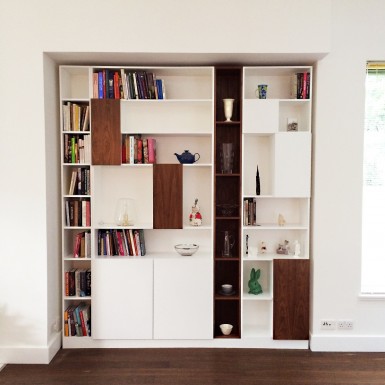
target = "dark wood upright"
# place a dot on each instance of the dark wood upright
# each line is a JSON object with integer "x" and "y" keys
{"x": 106, "y": 135}
{"x": 168, "y": 196}
{"x": 291, "y": 299}
{"x": 227, "y": 309}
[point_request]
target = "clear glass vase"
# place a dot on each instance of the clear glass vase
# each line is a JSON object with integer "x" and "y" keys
{"x": 125, "y": 214}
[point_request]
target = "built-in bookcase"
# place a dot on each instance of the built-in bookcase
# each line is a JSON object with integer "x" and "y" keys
{"x": 160, "y": 298}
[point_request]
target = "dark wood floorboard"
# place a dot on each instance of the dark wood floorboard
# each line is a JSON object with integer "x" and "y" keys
{"x": 200, "y": 366}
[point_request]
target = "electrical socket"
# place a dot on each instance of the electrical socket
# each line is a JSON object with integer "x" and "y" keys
{"x": 345, "y": 324}
{"x": 328, "y": 324}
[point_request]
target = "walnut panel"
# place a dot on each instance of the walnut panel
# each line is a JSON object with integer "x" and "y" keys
{"x": 168, "y": 196}
{"x": 291, "y": 300}
{"x": 106, "y": 136}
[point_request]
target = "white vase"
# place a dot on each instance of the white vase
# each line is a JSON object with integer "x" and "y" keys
{"x": 228, "y": 106}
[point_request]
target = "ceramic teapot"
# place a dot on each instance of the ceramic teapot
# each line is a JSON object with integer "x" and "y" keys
{"x": 187, "y": 157}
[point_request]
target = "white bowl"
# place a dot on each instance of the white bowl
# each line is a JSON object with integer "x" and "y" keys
{"x": 186, "y": 249}
{"x": 226, "y": 328}
{"x": 227, "y": 288}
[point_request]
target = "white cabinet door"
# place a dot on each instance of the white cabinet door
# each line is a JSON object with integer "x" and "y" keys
{"x": 292, "y": 164}
{"x": 122, "y": 295}
{"x": 260, "y": 116}
{"x": 183, "y": 292}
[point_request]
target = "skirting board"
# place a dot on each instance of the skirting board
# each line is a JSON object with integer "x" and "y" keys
{"x": 30, "y": 354}
{"x": 327, "y": 343}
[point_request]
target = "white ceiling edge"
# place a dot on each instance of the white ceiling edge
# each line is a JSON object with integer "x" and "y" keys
{"x": 186, "y": 58}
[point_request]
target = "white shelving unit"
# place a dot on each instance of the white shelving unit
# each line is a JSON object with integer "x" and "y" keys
{"x": 163, "y": 299}
{"x": 284, "y": 163}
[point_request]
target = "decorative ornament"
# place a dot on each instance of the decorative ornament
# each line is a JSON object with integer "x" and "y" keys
{"x": 297, "y": 248}
{"x": 195, "y": 216}
{"x": 263, "y": 247}
{"x": 254, "y": 286}
{"x": 281, "y": 220}
{"x": 283, "y": 248}
{"x": 257, "y": 183}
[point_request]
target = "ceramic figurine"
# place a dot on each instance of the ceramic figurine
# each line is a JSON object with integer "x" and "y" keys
{"x": 283, "y": 249}
{"x": 254, "y": 286}
{"x": 195, "y": 216}
{"x": 297, "y": 249}
{"x": 281, "y": 220}
{"x": 263, "y": 247}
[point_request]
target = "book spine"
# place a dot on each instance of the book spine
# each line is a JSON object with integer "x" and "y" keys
{"x": 151, "y": 143}
{"x": 100, "y": 85}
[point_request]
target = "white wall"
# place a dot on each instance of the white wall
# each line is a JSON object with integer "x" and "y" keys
{"x": 252, "y": 30}
{"x": 357, "y": 36}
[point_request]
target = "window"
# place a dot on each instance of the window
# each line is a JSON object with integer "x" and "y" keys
{"x": 373, "y": 220}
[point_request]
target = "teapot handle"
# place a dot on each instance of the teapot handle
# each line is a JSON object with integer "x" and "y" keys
{"x": 197, "y": 158}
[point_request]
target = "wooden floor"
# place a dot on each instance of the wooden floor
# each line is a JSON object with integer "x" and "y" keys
{"x": 200, "y": 366}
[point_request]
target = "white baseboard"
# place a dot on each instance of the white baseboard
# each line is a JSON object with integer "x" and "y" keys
{"x": 30, "y": 354}
{"x": 352, "y": 343}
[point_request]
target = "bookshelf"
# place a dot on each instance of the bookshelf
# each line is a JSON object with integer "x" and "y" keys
{"x": 153, "y": 299}
{"x": 163, "y": 193}
{"x": 280, "y": 211}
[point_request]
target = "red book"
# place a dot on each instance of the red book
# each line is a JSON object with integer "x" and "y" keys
{"x": 77, "y": 245}
{"x": 88, "y": 213}
{"x": 120, "y": 243}
{"x": 303, "y": 96}
{"x": 151, "y": 146}
{"x": 116, "y": 86}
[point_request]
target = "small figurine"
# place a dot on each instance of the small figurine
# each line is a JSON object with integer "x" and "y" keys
{"x": 297, "y": 248}
{"x": 281, "y": 220}
{"x": 283, "y": 249}
{"x": 263, "y": 247}
{"x": 254, "y": 285}
{"x": 247, "y": 245}
{"x": 195, "y": 216}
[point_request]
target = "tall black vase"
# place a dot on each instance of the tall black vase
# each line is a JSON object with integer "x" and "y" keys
{"x": 257, "y": 183}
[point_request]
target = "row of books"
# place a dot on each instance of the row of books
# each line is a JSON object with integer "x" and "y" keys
{"x": 301, "y": 85}
{"x": 124, "y": 242}
{"x": 138, "y": 150}
{"x": 76, "y": 117}
{"x": 78, "y": 213}
{"x": 77, "y": 148}
{"x": 249, "y": 212}
{"x": 114, "y": 84}
{"x": 80, "y": 182}
{"x": 82, "y": 245}
{"x": 77, "y": 282}
{"x": 77, "y": 320}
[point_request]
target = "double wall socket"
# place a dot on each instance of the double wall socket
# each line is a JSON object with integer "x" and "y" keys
{"x": 345, "y": 324}
{"x": 331, "y": 324}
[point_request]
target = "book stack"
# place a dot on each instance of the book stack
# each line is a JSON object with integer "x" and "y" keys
{"x": 80, "y": 182}
{"x": 249, "y": 212}
{"x": 78, "y": 213}
{"x": 115, "y": 84}
{"x": 77, "y": 320}
{"x": 77, "y": 149}
{"x": 77, "y": 282}
{"x": 301, "y": 85}
{"x": 125, "y": 242}
{"x": 82, "y": 245}
{"x": 138, "y": 150}
{"x": 76, "y": 117}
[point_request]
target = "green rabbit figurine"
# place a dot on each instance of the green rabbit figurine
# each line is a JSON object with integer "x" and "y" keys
{"x": 254, "y": 285}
